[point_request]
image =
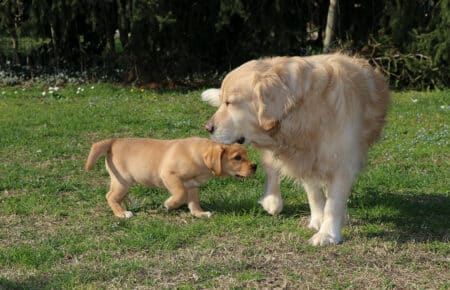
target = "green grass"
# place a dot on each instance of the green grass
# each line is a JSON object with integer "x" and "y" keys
{"x": 56, "y": 230}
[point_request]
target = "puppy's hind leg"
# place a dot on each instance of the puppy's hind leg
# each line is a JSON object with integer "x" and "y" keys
{"x": 116, "y": 195}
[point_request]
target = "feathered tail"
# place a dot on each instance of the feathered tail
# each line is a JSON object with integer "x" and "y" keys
{"x": 98, "y": 149}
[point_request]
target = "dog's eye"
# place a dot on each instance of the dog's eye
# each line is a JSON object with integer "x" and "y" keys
{"x": 238, "y": 157}
{"x": 227, "y": 103}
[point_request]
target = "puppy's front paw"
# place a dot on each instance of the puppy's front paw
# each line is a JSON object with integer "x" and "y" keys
{"x": 324, "y": 239}
{"x": 127, "y": 214}
{"x": 203, "y": 214}
{"x": 272, "y": 204}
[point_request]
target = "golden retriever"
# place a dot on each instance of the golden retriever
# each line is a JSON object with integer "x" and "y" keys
{"x": 180, "y": 166}
{"x": 314, "y": 118}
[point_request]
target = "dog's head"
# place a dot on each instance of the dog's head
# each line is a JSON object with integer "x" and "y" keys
{"x": 229, "y": 160}
{"x": 251, "y": 102}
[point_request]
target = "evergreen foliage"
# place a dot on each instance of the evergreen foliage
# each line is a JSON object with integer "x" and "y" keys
{"x": 158, "y": 39}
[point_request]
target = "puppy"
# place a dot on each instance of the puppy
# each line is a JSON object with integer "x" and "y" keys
{"x": 180, "y": 166}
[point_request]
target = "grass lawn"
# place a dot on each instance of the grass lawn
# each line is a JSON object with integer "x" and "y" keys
{"x": 56, "y": 230}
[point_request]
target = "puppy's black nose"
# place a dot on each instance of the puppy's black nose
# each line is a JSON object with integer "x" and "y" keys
{"x": 209, "y": 127}
{"x": 253, "y": 166}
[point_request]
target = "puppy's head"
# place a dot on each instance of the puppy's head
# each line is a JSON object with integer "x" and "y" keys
{"x": 229, "y": 160}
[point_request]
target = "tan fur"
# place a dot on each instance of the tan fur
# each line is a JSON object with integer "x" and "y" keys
{"x": 180, "y": 166}
{"x": 314, "y": 117}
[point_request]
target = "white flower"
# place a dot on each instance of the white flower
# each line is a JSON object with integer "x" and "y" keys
{"x": 414, "y": 100}
{"x": 43, "y": 93}
{"x": 92, "y": 87}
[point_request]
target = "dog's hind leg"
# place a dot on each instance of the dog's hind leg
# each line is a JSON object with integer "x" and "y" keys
{"x": 116, "y": 195}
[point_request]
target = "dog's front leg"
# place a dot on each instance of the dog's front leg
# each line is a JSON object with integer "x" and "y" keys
{"x": 316, "y": 200}
{"x": 271, "y": 201}
{"x": 334, "y": 211}
{"x": 175, "y": 186}
{"x": 194, "y": 204}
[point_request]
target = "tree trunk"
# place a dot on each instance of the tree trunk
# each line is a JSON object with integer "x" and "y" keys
{"x": 123, "y": 23}
{"x": 15, "y": 44}
{"x": 55, "y": 44}
{"x": 331, "y": 25}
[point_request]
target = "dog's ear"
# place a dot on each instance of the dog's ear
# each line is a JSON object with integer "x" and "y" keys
{"x": 212, "y": 96}
{"x": 213, "y": 158}
{"x": 274, "y": 98}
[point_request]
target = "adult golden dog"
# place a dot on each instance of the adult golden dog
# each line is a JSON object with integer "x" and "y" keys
{"x": 314, "y": 118}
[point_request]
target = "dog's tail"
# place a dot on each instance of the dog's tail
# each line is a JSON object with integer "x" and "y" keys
{"x": 98, "y": 149}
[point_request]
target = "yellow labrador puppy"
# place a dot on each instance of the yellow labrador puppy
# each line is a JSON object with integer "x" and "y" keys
{"x": 314, "y": 118}
{"x": 180, "y": 166}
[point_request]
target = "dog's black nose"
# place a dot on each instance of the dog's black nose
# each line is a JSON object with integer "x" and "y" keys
{"x": 240, "y": 140}
{"x": 209, "y": 127}
{"x": 254, "y": 166}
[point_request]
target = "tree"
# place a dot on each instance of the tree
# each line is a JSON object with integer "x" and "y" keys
{"x": 11, "y": 17}
{"x": 331, "y": 26}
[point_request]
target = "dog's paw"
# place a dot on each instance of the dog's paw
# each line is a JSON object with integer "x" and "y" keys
{"x": 207, "y": 214}
{"x": 127, "y": 214}
{"x": 314, "y": 224}
{"x": 324, "y": 239}
{"x": 203, "y": 214}
{"x": 272, "y": 204}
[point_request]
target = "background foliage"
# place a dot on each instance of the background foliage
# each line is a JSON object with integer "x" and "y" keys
{"x": 142, "y": 40}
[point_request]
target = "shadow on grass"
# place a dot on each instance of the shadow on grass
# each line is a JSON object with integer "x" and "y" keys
{"x": 410, "y": 216}
{"x": 30, "y": 283}
{"x": 391, "y": 216}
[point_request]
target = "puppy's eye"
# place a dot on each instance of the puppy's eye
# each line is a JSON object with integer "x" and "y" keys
{"x": 237, "y": 157}
{"x": 227, "y": 103}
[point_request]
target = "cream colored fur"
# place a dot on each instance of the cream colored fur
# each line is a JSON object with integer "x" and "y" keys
{"x": 314, "y": 118}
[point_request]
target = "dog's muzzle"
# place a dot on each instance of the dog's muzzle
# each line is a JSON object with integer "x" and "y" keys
{"x": 241, "y": 140}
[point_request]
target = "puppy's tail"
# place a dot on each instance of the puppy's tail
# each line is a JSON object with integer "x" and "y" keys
{"x": 98, "y": 149}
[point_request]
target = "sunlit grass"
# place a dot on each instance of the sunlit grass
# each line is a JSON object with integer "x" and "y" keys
{"x": 58, "y": 232}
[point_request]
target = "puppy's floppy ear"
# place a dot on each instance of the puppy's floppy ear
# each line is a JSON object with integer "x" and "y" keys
{"x": 274, "y": 98}
{"x": 213, "y": 158}
{"x": 212, "y": 96}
